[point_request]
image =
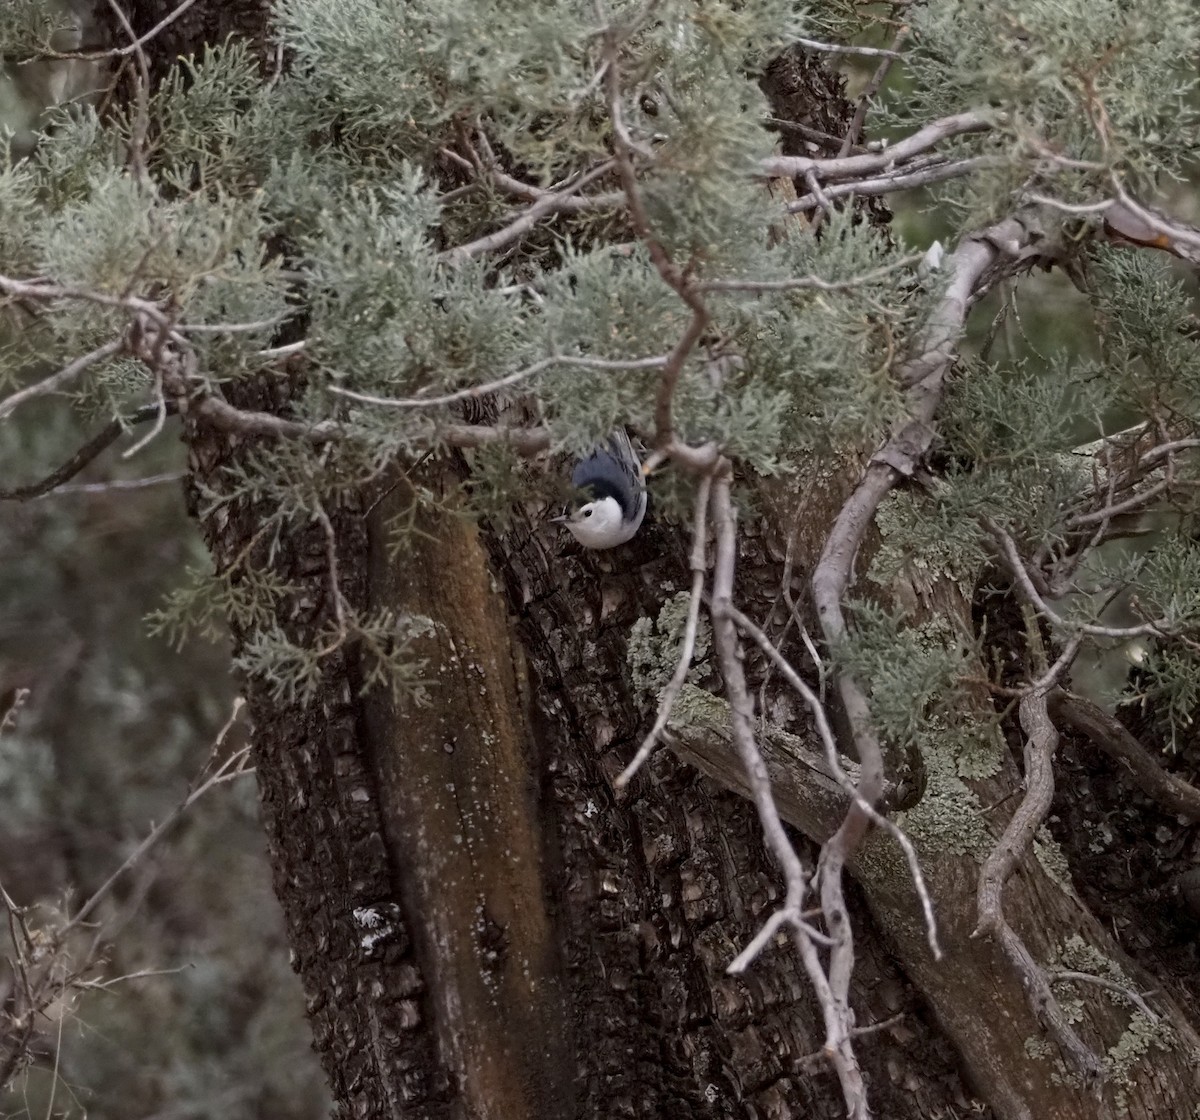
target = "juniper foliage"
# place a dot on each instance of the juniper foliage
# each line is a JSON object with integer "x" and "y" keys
{"x": 322, "y": 204}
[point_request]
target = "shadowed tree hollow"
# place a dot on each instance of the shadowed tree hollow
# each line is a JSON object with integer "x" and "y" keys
{"x": 794, "y": 805}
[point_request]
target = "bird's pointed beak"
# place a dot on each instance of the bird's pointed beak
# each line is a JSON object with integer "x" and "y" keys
{"x": 562, "y": 519}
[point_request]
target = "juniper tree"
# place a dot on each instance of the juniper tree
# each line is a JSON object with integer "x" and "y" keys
{"x": 391, "y": 265}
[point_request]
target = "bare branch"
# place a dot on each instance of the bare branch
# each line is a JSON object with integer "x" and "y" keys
{"x": 62, "y": 378}
{"x": 235, "y": 766}
{"x": 504, "y": 382}
{"x": 923, "y": 375}
{"x": 40, "y": 290}
{"x": 1040, "y": 743}
{"x": 831, "y": 989}
{"x": 898, "y": 180}
{"x": 798, "y": 283}
{"x": 725, "y": 640}
{"x": 120, "y": 52}
{"x": 850, "y": 167}
{"x": 1132, "y": 221}
{"x": 141, "y": 114}
{"x": 1048, "y": 1010}
{"x": 1016, "y": 565}
{"x": 1059, "y": 975}
{"x": 547, "y": 203}
{"x": 1041, "y": 740}
{"x": 833, "y": 761}
{"x": 873, "y": 87}
{"x": 107, "y": 435}
{"x": 524, "y": 441}
{"x": 1111, "y": 736}
{"x": 838, "y": 48}
{"x": 115, "y": 485}
{"x": 699, "y": 567}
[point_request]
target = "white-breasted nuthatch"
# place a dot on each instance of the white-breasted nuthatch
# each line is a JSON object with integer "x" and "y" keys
{"x": 615, "y": 495}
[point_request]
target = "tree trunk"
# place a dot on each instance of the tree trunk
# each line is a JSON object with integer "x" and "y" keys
{"x": 484, "y": 929}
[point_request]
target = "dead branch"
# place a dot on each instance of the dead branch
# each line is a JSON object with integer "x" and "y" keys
{"x": 546, "y": 203}
{"x": 873, "y": 163}
{"x": 505, "y": 382}
{"x": 897, "y": 180}
{"x": 44, "y": 972}
{"x": 61, "y": 379}
{"x": 1114, "y": 739}
{"x": 831, "y": 985}
{"x": 699, "y": 566}
{"x": 1041, "y": 741}
{"x": 109, "y": 434}
{"x": 834, "y": 763}
{"x": 923, "y": 376}
{"x": 799, "y": 283}
{"x": 1021, "y": 573}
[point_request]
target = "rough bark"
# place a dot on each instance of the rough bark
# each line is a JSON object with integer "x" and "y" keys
{"x": 665, "y": 885}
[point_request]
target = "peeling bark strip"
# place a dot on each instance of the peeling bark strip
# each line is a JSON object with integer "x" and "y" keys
{"x": 457, "y": 773}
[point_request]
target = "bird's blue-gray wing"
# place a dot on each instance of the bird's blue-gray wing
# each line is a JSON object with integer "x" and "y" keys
{"x": 613, "y": 471}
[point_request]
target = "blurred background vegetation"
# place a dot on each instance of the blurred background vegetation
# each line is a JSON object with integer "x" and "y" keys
{"x": 208, "y": 1023}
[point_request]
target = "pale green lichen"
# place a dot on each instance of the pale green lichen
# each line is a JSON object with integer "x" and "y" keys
{"x": 695, "y": 707}
{"x": 947, "y": 818}
{"x": 917, "y": 544}
{"x": 979, "y": 749}
{"x": 1038, "y": 1049}
{"x": 1078, "y": 955}
{"x": 1141, "y": 1036}
{"x": 1053, "y": 860}
{"x": 655, "y": 645}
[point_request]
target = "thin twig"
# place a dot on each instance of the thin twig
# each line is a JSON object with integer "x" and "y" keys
{"x": 104, "y": 438}
{"x": 834, "y": 1005}
{"x": 119, "y": 52}
{"x": 699, "y": 567}
{"x": 550, "y": 202}
{"x": 890, "y": 57}
{"x": 841, "y": 48}
{"x": 817, "y": 283}
{"x": 230, "y": 768}
{"x": 898, "y": 180}
{"x": 116, "y": 485}
{"x": 1016, "y": 565}
{"x": 141, "y": 114}
{"x": 160, "y": 416}
{"x": 62, "y": 378}
{"x": 1123, "y": 990}
{"x": 853, "y": 167}
{"x": 504, "y": 382}
{"x": 833, "y": 761}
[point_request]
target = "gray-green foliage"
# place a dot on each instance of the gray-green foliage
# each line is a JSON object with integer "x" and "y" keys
{"x": 1106, "y": 82}
{"x": 323, "y": 203}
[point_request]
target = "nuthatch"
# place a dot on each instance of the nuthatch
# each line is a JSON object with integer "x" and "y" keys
{"x": 611, "y": 477}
